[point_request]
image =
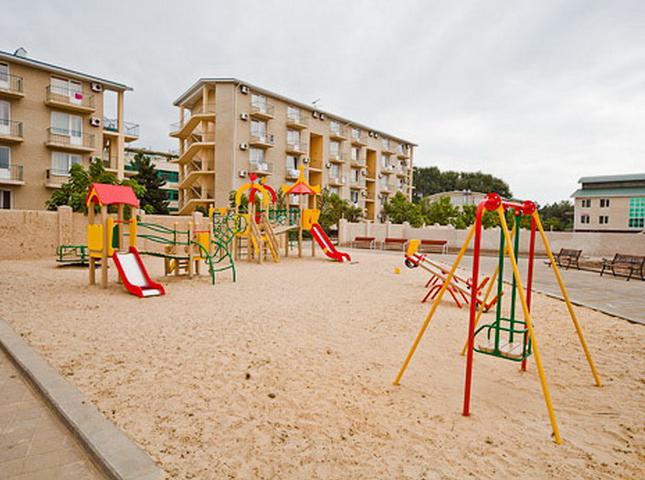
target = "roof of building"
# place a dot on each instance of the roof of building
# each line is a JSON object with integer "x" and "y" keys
{"x": 613, "y": 178}
{"x": 609, "y": 192}
{"x": 105, "y": 194}
{"x": 12, "y": 57}
{"x": 455, "y": 193}
{"x": 206, "y": 80}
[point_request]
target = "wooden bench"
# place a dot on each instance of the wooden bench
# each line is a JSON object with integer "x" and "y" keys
{"x": 567, "y": 257}
{"x": 434, "y": 246}
{"x": 394, "y": 243}
{"x": 632, "y": 263}
{"x": 364, "y": 242}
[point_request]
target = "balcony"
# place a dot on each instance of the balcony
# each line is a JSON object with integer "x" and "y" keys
{"x": 199, "y": 113}
{"x": 11, "y": 175}
{"x": 261, "y": 168}
{"x": 298, "y": 122}
{"x": 299, "y": 148}
{"x": 262, "y": 140}
{"x": 338, "y": 133}
{"x": 55, "y": 178}
{"x": 292, "y": 174}
{"x": 357, "y": 183}
{"x": 69, "y": 99}
{"x": 64, "y": 140}
{"x": 191, "y": 177}
{"x": 337, "y": 181}
{"x": 387, "y": 148}
{"x": 358, "y": 162}
{"x": 10, "y": 131}
{"x": 402, "y": 153}
{"x": 130, "y": 130}
{"x": 11, "y": 86}
{"x": 359, "y": 138}
{"x": 192, "y": 150}
{"x": 262, "y": 111}
{"x": 387, "y": 169}
{"x": 337, "y": 157}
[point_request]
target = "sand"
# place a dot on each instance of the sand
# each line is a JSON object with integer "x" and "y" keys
{"x": 288, "y": 374}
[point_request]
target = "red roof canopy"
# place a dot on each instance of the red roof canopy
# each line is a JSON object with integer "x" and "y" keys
{"x": 104, "y": 194}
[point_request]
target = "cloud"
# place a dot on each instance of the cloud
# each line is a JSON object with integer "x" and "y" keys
{"x": 539, "y": 93}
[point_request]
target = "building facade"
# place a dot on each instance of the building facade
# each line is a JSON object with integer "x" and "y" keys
{"x": 51, "y": 118}
{"x": 610, "y": 203}
{"x": 459, "y": 198}
{"x": 166, "y": 165}
{"x": 228, "y": 128}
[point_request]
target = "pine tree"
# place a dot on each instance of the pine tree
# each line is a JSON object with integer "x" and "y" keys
{"x": 154, "y": 199}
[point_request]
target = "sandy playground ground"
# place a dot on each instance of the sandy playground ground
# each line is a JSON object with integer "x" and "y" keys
{"x": 288, "y": 374}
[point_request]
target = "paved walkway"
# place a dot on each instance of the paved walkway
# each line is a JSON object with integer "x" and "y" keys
{"x": 34, "y": 444}
{"x": 608, "y": 294}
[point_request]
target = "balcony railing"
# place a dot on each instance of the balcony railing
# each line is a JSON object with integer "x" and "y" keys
{"x": 196, "y": 110}
{"x": 338, "y": 132}
{"x": 357, "y": 182}
{"x": 297, "y": 147}
{"x": 70, "y": 97}
{"x": 67, "y": 138}
{"x": 292, "y": 174}
{"x": 262, "y": 140}
{"x": 10, "y": 128}
{"x": 359, "y": 137}
{"x": 357, "y": 162}
{"x": 11, "y": 84}
{"x": 112, "y": 125}
{"x": 298, "y": 120}
{"x": 261, "y": 168}
{"x": 337, "y": 181}
{"x": 12, "y": 173}
{"x": 337, "y": 157}
{"x": 262, "y": 110}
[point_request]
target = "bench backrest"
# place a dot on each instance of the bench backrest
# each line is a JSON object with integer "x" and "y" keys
{"x": 635, "y": 259}
{"x": 364, "y": 239}
{"x": 395, "y": 240}
{"x": 569, "y": 252}
{"x": 434, "y": 242}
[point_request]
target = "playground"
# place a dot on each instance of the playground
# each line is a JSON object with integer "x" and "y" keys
{"x": 287, "y": 373}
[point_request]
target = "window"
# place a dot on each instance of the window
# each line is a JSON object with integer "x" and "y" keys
{"x": 172, "y": 177}
{"x": 604, "y": 202}
{"x": 61, "y": 86}
{"x": 259, "y": 101}
{"x": 256, "y": 155}
{"x": 356, "y": 134}
{"x": 334, "y": 127}
{"x": 334, "y": 171}
{"x": 293, "y": 137}
{"x": 334, "y": 149}
{"x": 586, "y": 203}
{"x": 385, "y": 144}
{"x": 4, "y": 75}
{"x": 62, "y": 162}
{"x": 385, "y": 160}
{"x": 637, "y": 212}
{"x": 334, "y": 190}
{"x": 258, "y": 128}
{"x": 5, "y": 117}
{"x": 383, "y": 181}
{"x": 293, "y": 113}
{"x": 5, "y": 199}
{"x": 5, "y": 158}
{"x": 584, "y": 219}
{"x": 355, "y": 175}
{"x": 353, "y": 195}
{"x": 603, "y": 219}
{"x": 171, "y": 195}
{"x": 292, "y": 162}
{"x": 69, "y": 125}
{"x": 356, "y": 153}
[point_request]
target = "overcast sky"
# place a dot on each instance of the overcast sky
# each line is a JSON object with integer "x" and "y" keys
{"x": 536, "y": 92}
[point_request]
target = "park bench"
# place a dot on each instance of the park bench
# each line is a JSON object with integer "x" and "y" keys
{"x": 567, "y": 257}
{"x": 434, "y": 246}
{"x": 391, "y": 243}
{"x": 364, "y": 242}
{"x": 631, "y": 263}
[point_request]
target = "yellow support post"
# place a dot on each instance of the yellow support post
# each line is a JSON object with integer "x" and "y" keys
{"x": 435, "y": 304}
{"x": 529, "y": 326}
{"x": 565, "y": 295}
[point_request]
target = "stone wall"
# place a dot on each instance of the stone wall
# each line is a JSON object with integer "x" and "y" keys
{"x": 592, "y": 244}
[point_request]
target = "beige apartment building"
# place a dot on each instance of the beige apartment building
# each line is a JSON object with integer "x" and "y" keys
{"x": 229, "y": 128}
{"x": 166, "y": 165}
{"x": 51, "y": 118}
{"x": 610, "y": 203}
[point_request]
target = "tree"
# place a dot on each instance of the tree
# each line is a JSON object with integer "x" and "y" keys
{"x": 557, "y": 216}
{"x": 333, "y": 208}
{"x": 440, "y": 211}
{"x": 431, "y": 180}
{"x": 399, "y": 209}
{"x": 154, "y": 200}
{"x": 73, "y": 192}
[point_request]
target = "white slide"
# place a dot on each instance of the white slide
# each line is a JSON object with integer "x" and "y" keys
{"x": 134, "y": 274}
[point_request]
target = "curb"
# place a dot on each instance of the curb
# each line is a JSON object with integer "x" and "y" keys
{"x": 114, "y": 453}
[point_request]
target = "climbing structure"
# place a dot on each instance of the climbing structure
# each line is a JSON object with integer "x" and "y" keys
{"x": 508, "y": 336}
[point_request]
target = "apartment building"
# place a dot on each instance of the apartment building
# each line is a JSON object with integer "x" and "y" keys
{"x": 166, "y": 165}
{"x": 229, "y": 128}
{"x": 610, "y": 203}
{"x": 458, "y": 198}
{"x": 51, "y": 117}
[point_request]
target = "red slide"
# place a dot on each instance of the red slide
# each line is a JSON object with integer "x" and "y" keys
{"x": 134, "y": 275}
{"x": 325, "y": 243}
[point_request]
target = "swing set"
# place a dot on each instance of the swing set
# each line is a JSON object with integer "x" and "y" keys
{"x": 507, "y": 336}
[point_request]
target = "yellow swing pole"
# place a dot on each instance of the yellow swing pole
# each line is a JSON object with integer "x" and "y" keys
{"x": 529, "y": 326}
{"x": 435, "y": 304}
{"x": 565, "y": 295}
{"x": 489, "y": 289}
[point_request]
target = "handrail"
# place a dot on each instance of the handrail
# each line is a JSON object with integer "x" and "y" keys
{"x": 70, "y": 96}
{"x": 15, "y": 127}
{"x": 64, "y": 137}
{"x": 14, "y": 81}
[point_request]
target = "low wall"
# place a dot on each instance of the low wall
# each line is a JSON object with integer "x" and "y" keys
{"x": 592, "y": 244}
{"x": 36, "y": 233}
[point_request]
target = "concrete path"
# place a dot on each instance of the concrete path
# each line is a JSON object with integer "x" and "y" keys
{"x": 34, "y": 444}
{"x": 608, "y": 294}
